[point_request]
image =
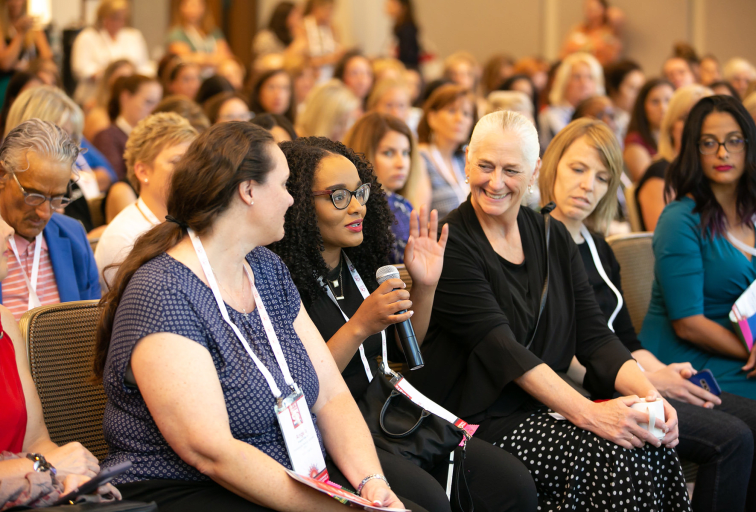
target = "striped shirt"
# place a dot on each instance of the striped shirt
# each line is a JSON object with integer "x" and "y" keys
{"x": 15, "y": 292}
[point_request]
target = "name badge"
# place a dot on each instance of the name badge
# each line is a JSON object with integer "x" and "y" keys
{"x": 300, "y": 436}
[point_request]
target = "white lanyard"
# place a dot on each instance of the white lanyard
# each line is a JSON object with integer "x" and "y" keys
{"x": 30, "y": 285}
{"x": 740, "y": 245}
{"x": 201, "y": 45}
{"x": 452, "y": 176}
{"x": 364, "y": 292}
{"x": 147, "y": 213}
{"x": 600, "y": 268}
{"x": 269, "y": 331}
{"x": 319, "y": 40}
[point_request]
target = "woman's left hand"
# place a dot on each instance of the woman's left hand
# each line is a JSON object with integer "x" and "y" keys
{"x": 670, "y": 425}
{"x": 424, "y": 256}
{"x": 379, "y": 493}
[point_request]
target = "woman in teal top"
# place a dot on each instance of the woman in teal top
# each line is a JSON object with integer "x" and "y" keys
{"x": 704, "y": 246}
{"x": 195, "y": 36}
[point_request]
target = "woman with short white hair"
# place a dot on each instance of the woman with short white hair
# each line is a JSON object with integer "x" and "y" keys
{"x": 741, "y": 74}
{"x": 512, "y": 308}
{"x": 578, "y": 78}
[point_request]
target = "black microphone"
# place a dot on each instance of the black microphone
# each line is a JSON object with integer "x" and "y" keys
{"x": 404, "y": 329}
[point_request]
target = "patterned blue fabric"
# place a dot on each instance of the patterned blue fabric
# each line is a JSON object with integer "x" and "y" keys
{"x": 166, "y": 296}
{"x": 401, "y": 208}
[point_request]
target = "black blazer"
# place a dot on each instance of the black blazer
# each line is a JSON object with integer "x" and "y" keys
{"x": 471, "y": 354}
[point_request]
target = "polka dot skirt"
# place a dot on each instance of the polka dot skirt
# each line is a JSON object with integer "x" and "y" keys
{"x": 575, "y": 469}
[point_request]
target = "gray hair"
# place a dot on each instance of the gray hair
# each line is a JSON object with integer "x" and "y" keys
{"x": 40, "y": 137}
{"x": 509, "y": 121}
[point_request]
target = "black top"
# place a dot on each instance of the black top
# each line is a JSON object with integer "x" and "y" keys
{"x": 78, "y": 208}
{"x": 471, "y": 352}
{"x": 524, "y": 303}
{"x": 409, "y": 48}
{"x": 607, "y": 300}
{"x": 327, "y": 318}
{"x": 655, "y": 170}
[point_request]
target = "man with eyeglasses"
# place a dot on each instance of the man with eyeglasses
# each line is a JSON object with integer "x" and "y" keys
{"x": 49, "y": 257}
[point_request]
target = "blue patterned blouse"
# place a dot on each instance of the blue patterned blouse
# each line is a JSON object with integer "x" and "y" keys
{"x": 166, "y": 296}
{"x": 401, "y": 208}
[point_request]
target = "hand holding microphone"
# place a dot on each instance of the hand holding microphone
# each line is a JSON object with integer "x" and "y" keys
{"x": 403, "y": 329}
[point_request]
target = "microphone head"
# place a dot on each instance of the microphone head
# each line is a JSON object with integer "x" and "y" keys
{"x": 385, "y": 273}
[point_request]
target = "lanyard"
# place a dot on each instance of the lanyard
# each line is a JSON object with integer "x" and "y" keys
{"x": 30, "y": 285}
{"x": 452, "y": 176}
{"x": 147, "y": 213}
{"x": 740, "y": 245}
{"x": 320, "y": 40}
{"x": 364, "y": 292}
{"x": 269, "y": 331}
{"x": 206, "y": 44}
{"x": 600, "y": 268}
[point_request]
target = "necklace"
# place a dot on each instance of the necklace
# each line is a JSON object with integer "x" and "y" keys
{"x": 337, "y": 283}
{"x": 244, "y": 289}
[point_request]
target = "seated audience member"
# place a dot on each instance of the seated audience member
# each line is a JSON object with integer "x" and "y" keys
{"x": 578, "y": 77}
{"x": 708, "y": 71}
{"x": 37, "y": 159}
{"x": 703, "y": 245}
{"x": 463, "y": 69}
{"x": 23, "y": 434}
{"x": 740, "y": 74}
{"x": 278, "y": 126}
{"x": 678, "y": 72}
{"x": 407, "y": 48}
{"x": 272, "y": 93}
{"x": 211, "y": 86}
{"x": 391, "y": 97}
{"x": 21, "y": 81}
{"x": 515, "y": 101}
{"x": 153, "y": 149}
{"x": 20, "y": 41}
{"x": 649, "y": 192}
{"x": 624, "y": 80}
{"x": 581, "y": 171}
{"x": 323, "y": 46}
{"x": 184, "y": 79}
{"x": 415, "y": 83}
{"x": 187, "y": 109}
{"x": 524, "y": 84}
{"x": 641, "y": 141}
{"x": 355, "y": 71}
{"x": 195, "y": 36}
{"x": 495, "y": 72}
{"x": 597, "y": 34}
{"x": 95, "y": 109}
{"x": 229, "y": 193}
{"x": 535, "y": 68}
{"x": 302, "y": 78}
{"x": 387, "y": 68}
{"x": 493, "y": 347}
{"x": 750, "y": 104}
{"x": 233, "y": 70}
{"x": 724, "y": 87}
{"x": 387, "y": 143}
{"x": 133, "y": 98}
{"x": 284, "y": 33}
{"x": 600, "y": 108}
{"x": 227, "y": 106}
{"x": 330, "y": 111}
{"x": 320, "y": 164}
{"x": 448, "y": 118}
{"x": 109, "y": 40}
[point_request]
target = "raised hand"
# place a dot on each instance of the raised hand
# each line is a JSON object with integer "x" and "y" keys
{"x": 424, "y": 255}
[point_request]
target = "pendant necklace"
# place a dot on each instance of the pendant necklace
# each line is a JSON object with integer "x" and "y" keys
{"x": 337, "y": 284}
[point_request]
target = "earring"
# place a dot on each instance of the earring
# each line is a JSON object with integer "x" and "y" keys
{"x": 146, "y": 181}
{"x": 467, "y": 179}
{"x": 530, "y": 188}
{"x": 251, "y": 203}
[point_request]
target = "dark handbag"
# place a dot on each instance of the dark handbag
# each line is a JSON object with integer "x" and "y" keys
{"x": 111, "y": 506}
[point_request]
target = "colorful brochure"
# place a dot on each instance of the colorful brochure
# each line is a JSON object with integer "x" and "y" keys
{"x": 743, "y": 316}
{"x": 342, "y": 495}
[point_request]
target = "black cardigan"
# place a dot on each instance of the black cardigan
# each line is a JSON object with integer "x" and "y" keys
{"x": 472, "y": 357}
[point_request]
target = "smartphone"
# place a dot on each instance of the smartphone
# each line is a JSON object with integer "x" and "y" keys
{"x": 705, "y": 379}
{"x": 90, "y": 486}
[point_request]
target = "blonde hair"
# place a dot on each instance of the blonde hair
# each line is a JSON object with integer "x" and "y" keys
{"x": 207, "y": 25}
{"x": 467, "y": 58}
{"x": 386, "y": 64}
{"x": 562, "y": 76}
{"x": 368, "y": 132}
{"x": 513, "y": 122}
{"x": 152, "y": 135}
{"x": 326, "y": 106}
{"x": 735, "y": 65}
{"x": 382, "y": 88}
{"x": 750, "y": 104}
{"x": 682, "y": 101}
{"x": 516, "y": 101}
{"x": 108, "y": 7}
{"x": 602, "y": 139}
{"x": 47, "y": 103}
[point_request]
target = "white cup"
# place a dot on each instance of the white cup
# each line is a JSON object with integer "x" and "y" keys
{"x": 655, "y": 412}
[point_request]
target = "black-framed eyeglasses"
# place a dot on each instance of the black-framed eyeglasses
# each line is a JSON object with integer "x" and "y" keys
{"x": 36, "y": 199}
{"x": 341, "y": 197}
{"x": 710, "y": 146}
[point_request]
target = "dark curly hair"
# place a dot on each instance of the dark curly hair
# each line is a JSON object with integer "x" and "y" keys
{"x": 302, "y": 245}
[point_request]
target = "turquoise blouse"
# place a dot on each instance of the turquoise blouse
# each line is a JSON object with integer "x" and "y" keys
{"x": 695, "y": 274}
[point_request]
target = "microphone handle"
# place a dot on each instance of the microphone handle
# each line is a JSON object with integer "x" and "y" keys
{"x": 409, "y": 344}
